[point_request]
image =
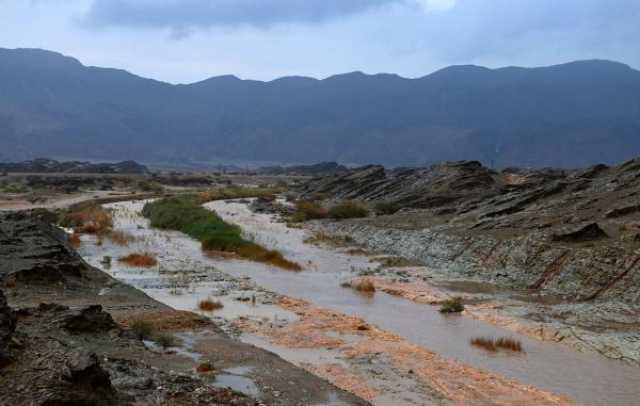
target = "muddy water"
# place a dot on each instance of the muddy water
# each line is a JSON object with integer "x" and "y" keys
{"x": 589, "y": 378}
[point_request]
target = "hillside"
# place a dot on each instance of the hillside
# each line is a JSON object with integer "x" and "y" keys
{"x": 567, "y": 115}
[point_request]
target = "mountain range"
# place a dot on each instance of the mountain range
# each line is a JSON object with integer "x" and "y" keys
{"x": 567, "y": 115}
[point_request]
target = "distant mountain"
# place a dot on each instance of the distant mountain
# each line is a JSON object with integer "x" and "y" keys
{"x": 565, "y": 115}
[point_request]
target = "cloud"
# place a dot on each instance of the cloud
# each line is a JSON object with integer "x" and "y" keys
{"x": 184, "y": 14}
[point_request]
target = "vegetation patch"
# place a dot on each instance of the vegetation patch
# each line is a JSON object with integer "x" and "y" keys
{"x": 395, "y": 262}
{"x": 334, "y": 240}
{"x": 165, "y": 340}
{"x": 139, "y": 260}
{"x": 92, "y": 219}
{"x": 494, "y": 345}
{"x": 308, "y": 210}
{"x": 209, "y": 305}
{"x": 364, "y": 285}
{"x": 205, "y": 367}
{"x": 186, "y": 214}
{"x": 386, "y": 208}
{"x": 74, "y": 240}
{"x": 120, "y": 238}
{"x": 453, "y": 305}
{"x": 142, "y": 329}
{"x": 348, "y": 210}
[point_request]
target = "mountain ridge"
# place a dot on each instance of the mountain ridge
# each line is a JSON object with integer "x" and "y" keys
{"x": 572, "y": 114}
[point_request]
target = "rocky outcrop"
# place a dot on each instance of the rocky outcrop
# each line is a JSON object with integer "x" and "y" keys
{"x": 35, "y": 252}
{"x": 567, "y": 233}
{"x": 589, "y": 232}
{"x": 7, "y": 327}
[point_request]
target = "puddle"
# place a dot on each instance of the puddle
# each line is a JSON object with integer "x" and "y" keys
{"x": 589, "y": 378}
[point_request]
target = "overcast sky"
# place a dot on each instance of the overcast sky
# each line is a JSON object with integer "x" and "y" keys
{"x": 183, "y": 41}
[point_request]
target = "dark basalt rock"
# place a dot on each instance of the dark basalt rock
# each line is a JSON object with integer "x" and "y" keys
{"x": 589, "y": 232}
{"x": 7, "y": 327}
{"x": 90, "y": 319}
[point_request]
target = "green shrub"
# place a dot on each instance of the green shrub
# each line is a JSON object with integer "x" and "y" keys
{"x": 147, "y": 186}
{"x": 185, "y": 213}
{"x": 165, "y": 340}
{"x": 453, "y": 305}
{"x": 348, "y": 210}
{"x": 386, "y": 208}
{"x": 308, "y": 210}
{"x": 143, "y": 330}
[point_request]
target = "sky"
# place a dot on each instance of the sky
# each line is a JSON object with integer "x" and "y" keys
{"x": 184, "y": 41}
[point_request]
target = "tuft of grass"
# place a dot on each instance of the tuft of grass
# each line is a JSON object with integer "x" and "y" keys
{"x": 139, "y": 260}
{"x": 348, "y": 210}
{"x": 74, "y": 240}
{"x": 165, "y": 340}
{"x": 334, "y": 240}
{"x": 396, "y": 262}
{"x": 120, "y": 238}
{"x": 493, "y": 345}
{"x": 205, "y": 367}
{"x": 364, "y": 285}
{"x": 209, "y": 305}
{"x": 142, "y": 329}
{"x": 92, "y": 219}
{"x": 386, "y": 208}
{"x": 453, "y": 305}
{"x": 185, "y": 213}
{"x": 308, "y": 210}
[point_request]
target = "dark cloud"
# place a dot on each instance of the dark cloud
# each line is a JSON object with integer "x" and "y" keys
{"x": 207, "y": 13}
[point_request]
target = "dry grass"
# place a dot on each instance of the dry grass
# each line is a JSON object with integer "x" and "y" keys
{"x": 494, "y": 345}
{"x": 209, "y": 305}
{"x": 330, "y": 239}
{"x": 364, "y": 285}
{"x": 205, "y": 367}
{"x": 357, "y": 251}
{"x": 120, "y": 238}
{"x": 395, "y": 262}
{"x": 144, "y": 260}
{"x": 257, "y": 253}
{"x": 89, "y": 220}
{"x": 74, "y": 240}
{"x": 452, "y": 305}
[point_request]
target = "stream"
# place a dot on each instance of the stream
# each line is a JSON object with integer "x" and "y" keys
{"x": 586, "y": 377}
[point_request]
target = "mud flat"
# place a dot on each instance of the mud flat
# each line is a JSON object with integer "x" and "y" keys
{"x": 384, "y": 347}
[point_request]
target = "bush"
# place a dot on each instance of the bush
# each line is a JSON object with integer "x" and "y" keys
{"x": 205, "y": 367}
{"x": 386, "y": 208}
{"x": 308, "y": 210}
{"x": 453, "y": 305}
{"x": 139, "y": 260}
{"x": 348, "y": 210}
{"x": 74, "y": 240}
{"x": 142, "y": 329}
{"x": 492, "y": 345}
{"x": 150, "y": 187}
{"x": 364, "y": 285}
{"x": 209, "y": 305}
{"x": 165, "y": 340}
{"x": 89, "y": 220}
{"x": 120, "y": 238}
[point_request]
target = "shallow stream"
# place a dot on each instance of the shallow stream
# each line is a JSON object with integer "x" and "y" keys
{"x": 586, "y": 377}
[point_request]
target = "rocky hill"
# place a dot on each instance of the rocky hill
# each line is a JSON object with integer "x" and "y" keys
{"x": 570, "y": 233}
{"x": 568, "y": 115}
{"x": 43, "y": 165}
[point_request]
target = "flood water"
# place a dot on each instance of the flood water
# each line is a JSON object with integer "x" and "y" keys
{"x": 588, "y": 378}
